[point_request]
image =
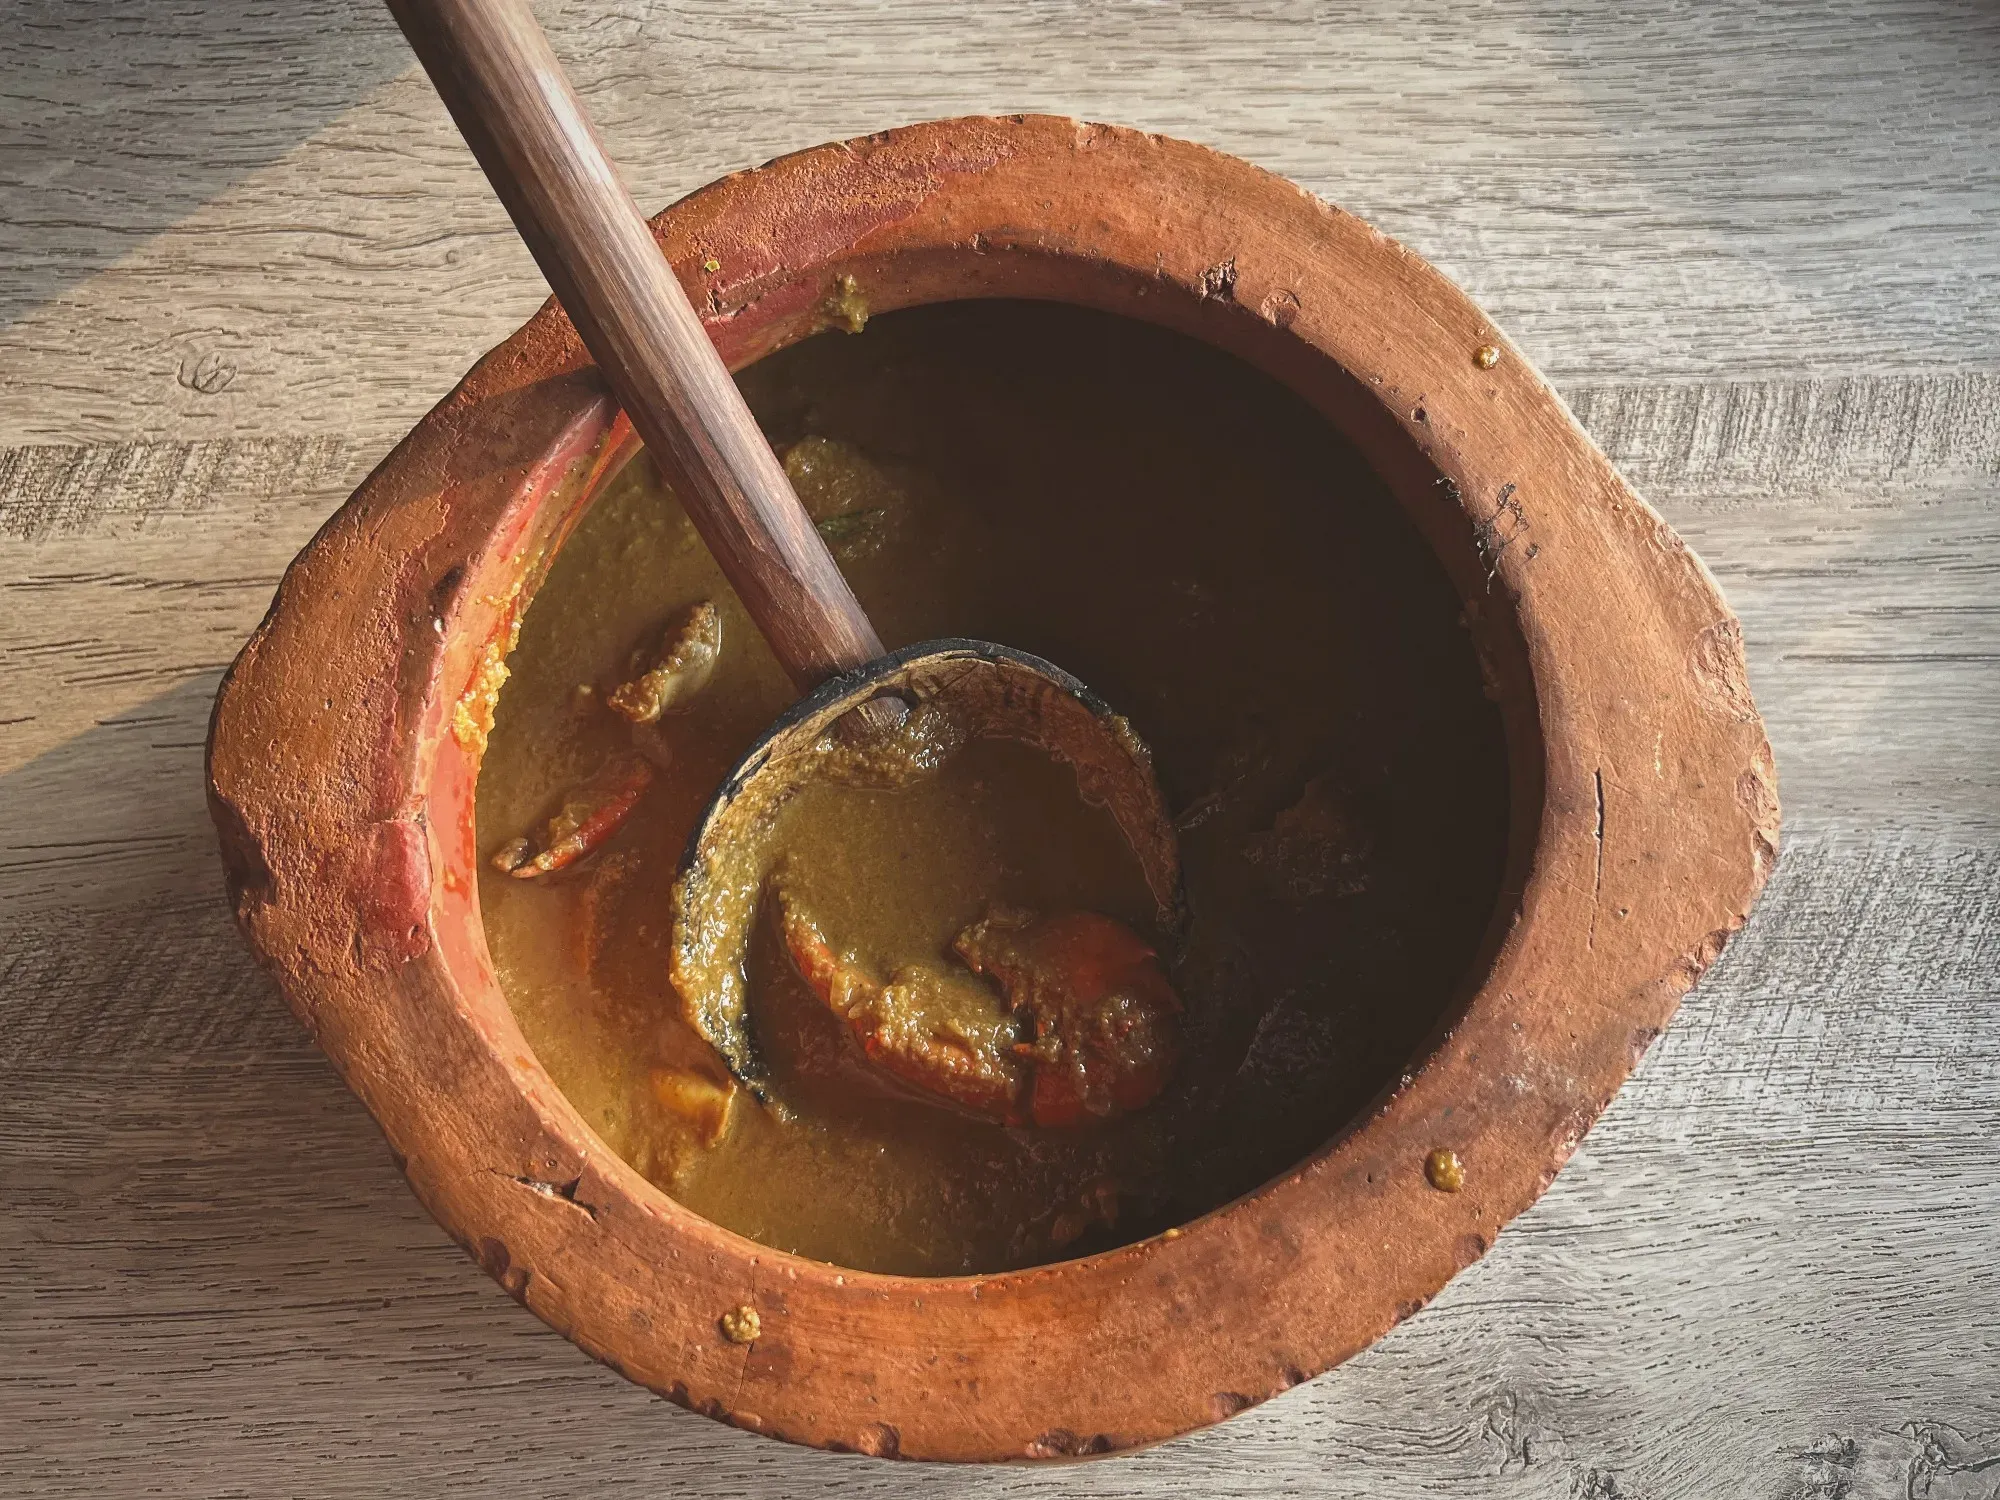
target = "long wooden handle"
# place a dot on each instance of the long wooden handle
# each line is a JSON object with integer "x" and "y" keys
{"x": 504, "y": 87}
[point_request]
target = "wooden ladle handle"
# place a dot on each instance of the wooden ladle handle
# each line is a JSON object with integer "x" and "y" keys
{"x": 497, "y": 75}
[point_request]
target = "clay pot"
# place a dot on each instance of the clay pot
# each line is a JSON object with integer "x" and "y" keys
{"x": 1645, "y": 817}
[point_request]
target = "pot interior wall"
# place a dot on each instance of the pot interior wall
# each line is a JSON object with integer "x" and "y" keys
{"x": 1205, "y": 548}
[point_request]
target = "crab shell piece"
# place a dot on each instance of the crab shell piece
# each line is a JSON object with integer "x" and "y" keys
{"x": 1101, "y": 1011}
{"x": 590, "y": 816}
{"x": 680, "y": 668}
{"x": 923, "y": 1027}
{"x": 1104, "y": 1014}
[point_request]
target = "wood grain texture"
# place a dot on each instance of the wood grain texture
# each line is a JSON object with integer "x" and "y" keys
{"x": 1753, "y": 244}
{"x": 287, "y": 235}
{"x": 1756, "y": 1251}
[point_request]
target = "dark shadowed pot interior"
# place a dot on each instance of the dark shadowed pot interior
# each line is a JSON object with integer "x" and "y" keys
{"x": 1209, "y": 552}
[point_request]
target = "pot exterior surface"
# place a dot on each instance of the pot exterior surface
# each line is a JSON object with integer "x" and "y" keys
{"x": 344, "y": 753}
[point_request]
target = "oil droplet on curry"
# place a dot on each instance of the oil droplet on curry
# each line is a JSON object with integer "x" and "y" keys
{"x": 979, "y": 1051}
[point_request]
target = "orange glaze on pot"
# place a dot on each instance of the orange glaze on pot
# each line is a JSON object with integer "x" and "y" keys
{"x": 1209, "y": 555}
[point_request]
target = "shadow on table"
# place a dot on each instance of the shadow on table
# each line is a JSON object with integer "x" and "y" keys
{"x": 119, "y": 947}
{"x": 121, "y": 117}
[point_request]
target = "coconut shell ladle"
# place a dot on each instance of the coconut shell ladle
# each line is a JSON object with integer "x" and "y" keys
{"x": 492, "y": 65}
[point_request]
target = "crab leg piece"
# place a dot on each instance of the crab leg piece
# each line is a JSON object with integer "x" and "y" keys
{"x": 944, "y": 1035}
{"x": 589, "y": 817}
{"x": 1104, "y": 1014}
{"x": 681, "y": 668}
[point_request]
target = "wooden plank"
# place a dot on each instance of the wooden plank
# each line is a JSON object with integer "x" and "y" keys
{"x": 125, "y": 633}
{"x": 1752, "y": 243}
{"x": 1707, "y": 444}
{"x": 1628, "y": 196}
{"x": 139, "y": 984}
{"x": 129, "y": 490}
{"x": 1777, "y": 1243}
{"x": 1704, "y": 443}
{"x": 1873, "y": 634}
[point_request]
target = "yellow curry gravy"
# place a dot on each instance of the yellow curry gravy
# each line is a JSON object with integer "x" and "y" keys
{"x": 1214, "y": 559}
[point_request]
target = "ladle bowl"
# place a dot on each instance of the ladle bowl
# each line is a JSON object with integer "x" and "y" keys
{"x": 994, "y": 691}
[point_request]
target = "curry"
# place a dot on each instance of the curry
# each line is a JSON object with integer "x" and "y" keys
{"x": 978, "y": 1041}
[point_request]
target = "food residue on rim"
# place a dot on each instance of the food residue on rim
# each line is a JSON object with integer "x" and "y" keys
{"x": 1444, "y": 1170}
{"x": 846, "y": 306}
{"x": 472, "y": 714}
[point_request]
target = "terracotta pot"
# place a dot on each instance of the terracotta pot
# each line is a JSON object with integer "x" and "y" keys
{"x": 1645, "y": 814}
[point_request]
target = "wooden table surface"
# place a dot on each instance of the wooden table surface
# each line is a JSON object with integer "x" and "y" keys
{"x": 1755, "y": 244}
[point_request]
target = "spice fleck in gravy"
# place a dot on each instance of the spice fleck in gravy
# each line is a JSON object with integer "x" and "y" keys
{"x": 977, "y": 1047}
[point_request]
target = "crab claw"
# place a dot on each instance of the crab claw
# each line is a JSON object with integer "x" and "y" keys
{"x": 590, "y": 816}
{"x": 1104, "y": 1014}
{"x": 672, "y": 675}
{"x": 944, "y": 1035}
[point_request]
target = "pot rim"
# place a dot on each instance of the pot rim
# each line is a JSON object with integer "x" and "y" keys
{"x": 345, "y": 742}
